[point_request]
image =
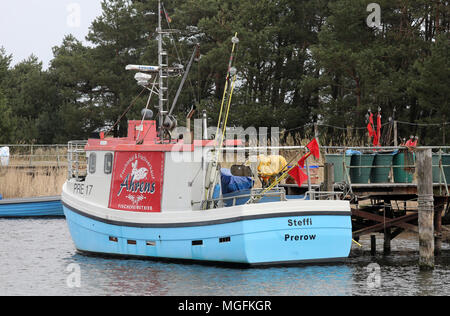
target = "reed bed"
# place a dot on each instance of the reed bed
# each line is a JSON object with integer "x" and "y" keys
{"x": 17, "y": 183}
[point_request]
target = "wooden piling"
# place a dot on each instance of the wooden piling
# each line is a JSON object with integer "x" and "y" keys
{"x": 425, "y": 209}
{"x": 373, "y": 244}
{"x": 387, "y": 230}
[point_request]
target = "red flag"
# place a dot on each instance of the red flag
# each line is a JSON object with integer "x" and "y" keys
{"x": 298, "y": 175}
{"x": 411, "y": 142}
{"x": 370, "y": 129}
{"x": 375, "y": 142}
{"x": 370, "y": 126}
{"x": 375, "y": 139}
{"x": 301, "y": 162}
{"x": 378, "y": 134}
{"x": 313, "y": 147}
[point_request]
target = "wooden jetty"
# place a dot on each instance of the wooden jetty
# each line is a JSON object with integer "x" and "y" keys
{"x": 392, "y": 208}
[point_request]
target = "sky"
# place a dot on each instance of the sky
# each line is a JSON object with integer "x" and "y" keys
{"x": 35, "y": 26}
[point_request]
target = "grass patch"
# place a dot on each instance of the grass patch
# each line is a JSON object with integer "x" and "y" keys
{"x": 22, "y": 183}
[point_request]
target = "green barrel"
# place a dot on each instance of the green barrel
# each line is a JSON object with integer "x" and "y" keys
{"x": 436, "y": 170}
{"x": 381, "y": 175}
{"x": 361, "y": 175}
{"x": 446, "y": 162}
{"x": 337, "y": 160}
{"x": 403, "y": 174}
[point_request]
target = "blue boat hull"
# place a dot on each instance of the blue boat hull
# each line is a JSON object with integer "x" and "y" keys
{"x": 264, "y": 241}
{"x": 31, "y": 207}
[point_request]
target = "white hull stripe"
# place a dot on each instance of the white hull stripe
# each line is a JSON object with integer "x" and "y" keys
{"x": 209, "y": 222}
{"x": 31, "y": 200}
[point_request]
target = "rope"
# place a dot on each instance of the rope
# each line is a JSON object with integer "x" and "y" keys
{"x": 424, "y": 124}
{"x": 354, "y": 128}
{"x": 146, "y": 108}
{"x": 425, "y": 202}
{"x": 225, "y": 124}
{"x": 126, "y": 111}
{"x": 228, "y": 112}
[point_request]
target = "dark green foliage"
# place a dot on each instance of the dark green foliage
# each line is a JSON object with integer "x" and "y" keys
{"x": 299, "y": 63}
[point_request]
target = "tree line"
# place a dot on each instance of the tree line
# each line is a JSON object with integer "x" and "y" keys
{"x": 299, "y": 62}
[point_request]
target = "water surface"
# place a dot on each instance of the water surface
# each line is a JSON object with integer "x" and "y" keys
{"x": 35, "y": 255}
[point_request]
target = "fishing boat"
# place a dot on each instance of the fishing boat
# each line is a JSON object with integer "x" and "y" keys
{"x": 151, "y": 195}
{"x": 31, "y": 207}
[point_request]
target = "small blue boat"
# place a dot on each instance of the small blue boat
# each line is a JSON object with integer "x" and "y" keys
{"x": 32, "y": 207}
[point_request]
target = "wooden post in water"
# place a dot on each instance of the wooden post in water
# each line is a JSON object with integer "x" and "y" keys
{"x": 373, "y": 244}
{"x": 387, "y": 231}
{"x": 425, "y": 209}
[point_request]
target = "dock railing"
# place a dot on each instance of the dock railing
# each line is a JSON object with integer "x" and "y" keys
{"x": 26, "y": 156}
{"x": 441, "y": 169}
{"x": 439, "y": 179}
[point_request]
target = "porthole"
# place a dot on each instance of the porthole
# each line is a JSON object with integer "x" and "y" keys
{"x": 92, "y": 162}
{"x": 108, "y": 163}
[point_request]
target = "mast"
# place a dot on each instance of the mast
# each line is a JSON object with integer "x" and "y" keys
{"x": 167, "y": 122}
{"x": 163, "y": 75}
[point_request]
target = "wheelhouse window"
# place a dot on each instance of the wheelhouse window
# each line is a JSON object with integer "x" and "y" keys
{"x": 108, "y": 163}
{"x": 92, "y": 162}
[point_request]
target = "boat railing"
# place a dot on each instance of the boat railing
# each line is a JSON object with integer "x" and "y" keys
{"x": 325, "y": 195}
{"x": 77, "y": 160}
{"x": 221, "y": 201}
{"x": 279, "y": 193}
